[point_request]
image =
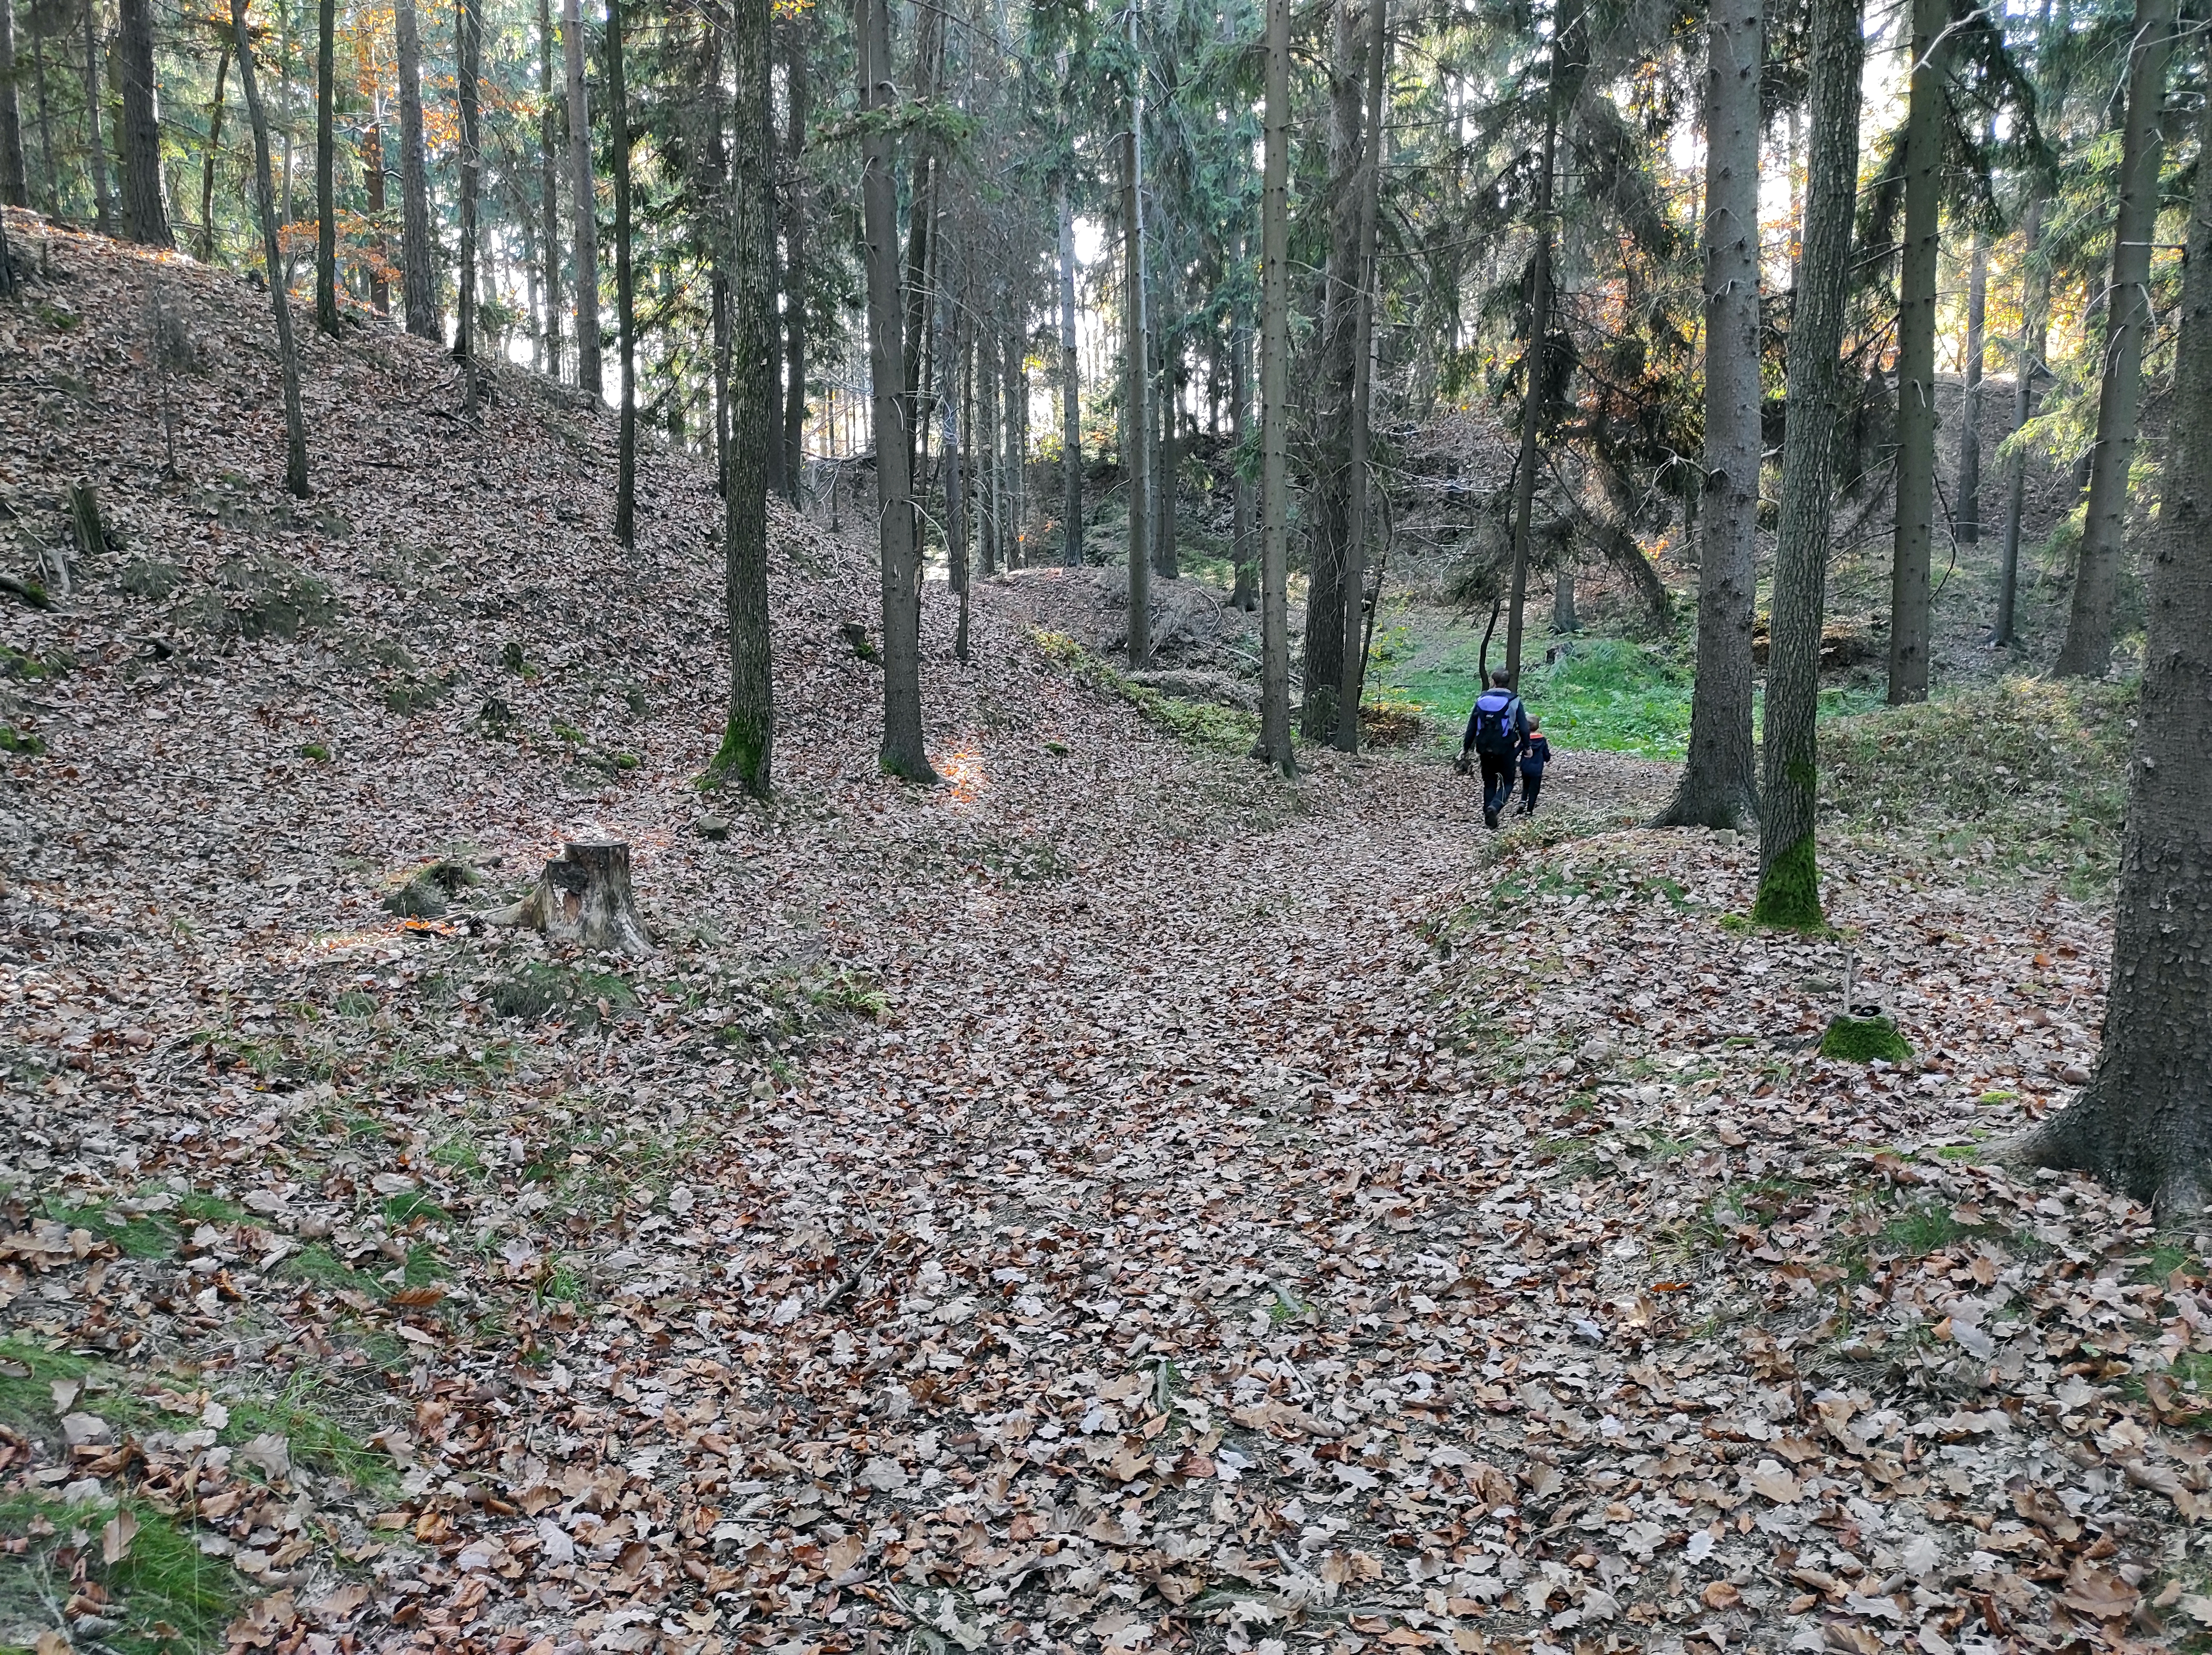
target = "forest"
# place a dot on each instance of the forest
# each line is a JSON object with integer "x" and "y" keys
{"x": 1202, "y": 825}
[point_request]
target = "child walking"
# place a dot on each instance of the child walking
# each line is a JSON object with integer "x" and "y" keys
{"x": 1535, "y": 754}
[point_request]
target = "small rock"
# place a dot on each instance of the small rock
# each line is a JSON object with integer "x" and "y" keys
{"x": 714, "y": 827}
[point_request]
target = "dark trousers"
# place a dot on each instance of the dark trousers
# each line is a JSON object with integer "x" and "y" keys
{"x": 1498, "y": 773}
{"x": 1532, "y": 782}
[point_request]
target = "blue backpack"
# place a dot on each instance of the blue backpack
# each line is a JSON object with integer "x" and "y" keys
{"x": 1496, "y": 717}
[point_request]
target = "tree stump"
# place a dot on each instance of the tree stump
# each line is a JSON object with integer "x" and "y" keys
{"x": 584, "y": 897}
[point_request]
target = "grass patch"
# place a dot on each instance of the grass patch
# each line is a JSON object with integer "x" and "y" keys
{"x": 164, "y": 1595}
{"x": 579, "y": 996}
{"x": 141, "y": 1235}
{"x": 316, "y": 1439}
{"x": 1864, "y": 1039}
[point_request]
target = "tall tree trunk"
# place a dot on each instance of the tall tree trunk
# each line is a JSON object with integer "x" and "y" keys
{"x": 1719, "y": 787}
{"x": 625, "y": 287}
{"x": 1338, "y": 372}
{"x": 751, "y": 270}
{"x": 794, "y": 264}
{"x": 15, "y": 183}
{"x": 1566, "y": 47}
{"x": 902, "y": 754}
{"x": 265, "y": 201}
{"x": 1367, "y": 294}
{"x": 214, "y": 150}
{"x": 1136, "y": 415}
{"x": 2035, "y": 337}
{"x": 2088, "y": 647}
{"x": 1274, "y": 397}
{"x": 372, "y": 173}
{"x": 1909, "y": 618}
{"x": 418, "y": 279}
{"x": 468, "y": 22}
{"x": 145, "y": 214}
{"x": 585, "y": 198}
{"x": 103, "y": 204}
{"x": 1789, "y": 878}
{"x": 1071, "y": 395}
{"x": 2144, "y": 1122}
{"x": 952, "y": 351}
{"x": 326, "y": 204}
{"x": 989, "y": 431}
{"x": 921, "y": 215}
{"x": 1967, "y": 519}
{"x": 49, "y": 174}
{"x": 1167, "y": 464}
{"x": 548, "y": 188}
{"x": 1245, "y": 595}
{"x": 975, "y": 421}
{"x": 1016, "y": 541}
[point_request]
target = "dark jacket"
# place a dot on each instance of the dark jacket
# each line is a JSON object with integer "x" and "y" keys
{"x": 1516, "y": 719}
{"x": 1535, "y": 754}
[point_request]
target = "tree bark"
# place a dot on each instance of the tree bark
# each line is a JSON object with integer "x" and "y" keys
{"x": 2034, "y": 339}
{"x": 1909, "y": 618}
{"x": 625, "y": 286}
{"x": 145, "y": 217}
{"x": 418, "y": 284}
{"x": 15, "y": 182}
{"x": 1136, "y": 417}
{"x": 1719, "y": 787}
{"x": 49, "y": 174}
{"x": 103, "y": 204}
{"x": 548, "y": 188}
{"x": 1789, "y": 881}
{"x": 795, "y": 266}
{"x": 589, "y": 373}
{"x": 265, "y": 201}
{"x": 1071, "y": 396}
{"x": 952, "y": 351}
{"x": 214, "y": 150}
{"x": 749, "y": 269}
{"x": 1967, "y": 517}
{"x": 1274, "y": 399}
{"x": 2143, "y": 1123}
{"x": 1245, "y": 595}
{"x": 2088, "y": 649}
{"x": 903, "y": 753}
{"x": 1367, "y": 294}
{"x": 326, "y": 206}
{"x": 468, "y": 25}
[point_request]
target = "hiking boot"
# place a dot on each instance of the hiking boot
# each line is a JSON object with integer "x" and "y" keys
{"x": 1489, "y": 816}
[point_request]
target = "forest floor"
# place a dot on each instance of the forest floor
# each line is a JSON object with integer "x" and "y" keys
{"x": 1111, "y": 1200}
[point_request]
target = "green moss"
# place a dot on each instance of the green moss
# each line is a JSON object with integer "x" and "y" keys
{"x": 1864, "y": 1039}
{"x": 32, "y": 668}
{"x": 20, "y": 741}
{"x": 539, "y": 991}
{"x": 742, "y": 758}
{"x": 315, "y": 751}
{"x": 1790, "y": 891}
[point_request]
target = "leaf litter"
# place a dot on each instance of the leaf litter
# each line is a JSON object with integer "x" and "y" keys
{"x": 1110, "y": 1200}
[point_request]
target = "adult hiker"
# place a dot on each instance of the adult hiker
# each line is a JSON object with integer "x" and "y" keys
{"x": 1496, "y": 731}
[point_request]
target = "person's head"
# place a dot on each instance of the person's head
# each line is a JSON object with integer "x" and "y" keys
{"x": 1535, "y": 727}
{"x": 1497, "y": 678}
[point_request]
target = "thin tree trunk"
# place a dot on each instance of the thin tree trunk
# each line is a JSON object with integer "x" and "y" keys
{"x": 585, "y": 199}
{"x": 988, "y": 431}
{"x": 418, "y": 281}
{"x": 795, "y": 266}
{"x": 2144, "y": 1122}
{"x": 2034, "y": 336}
{"x": 214, "y": 148}
{"x": 372, "y": 172}
{"x": 15, "y": 183}
{"x": 1719, "y": 787}
{"x": 1909, "y": 618}
{"x": 625, "y": 286}
{"x": 1071, "y": 395}
{"x": 952, "y": 352}
{"x": 975, "y": 421}
{"x": 921, "y": 215}
{"x": 902, "y": 754}
{"x": 1967, "y": 519}
{"x": 468, "y": 23}
{"x": 745, "y": 754}
{"x": 103, "y": 204}
{"x": 1167, "y": 459}
{"x": 1274, "y": 399}
{"x": 326, "y": 206}
{"x": 548, "y": 188}
{"x": 1367, "y": 274}
{"x": 51, "y": 177}
{"x": 264, "y": 196}
{"x": 2088, "y": 649}
{"x": 1137, "y": 414}
{"x": 1246, "y": 593}
{"x": 1789, "y": 878}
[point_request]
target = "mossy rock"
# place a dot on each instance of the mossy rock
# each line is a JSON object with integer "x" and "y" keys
{"x": 427, "y": 895}
{"x": 261, "y": 596}
{"x": 1864, "y": 1039}
{"x": 151, "y": 577}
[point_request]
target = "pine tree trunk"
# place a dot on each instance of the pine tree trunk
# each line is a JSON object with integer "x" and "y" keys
{"x": 2034, "y": 336}
{"x": 1167, "y": 467}
{"x": 468, "y": 26}
{"x": 987, "y": 429}
{"x": 265, "y": 201}
{"x": 794, "y": 268}
{"x": 214, "y": 150}
{"x": 1909, "y": 618}
{"x": 1967, "y": 519}
{"x": 95, "y": 147}
{"x": 1071, "y": 396}
{"x": 1015, "y": 545}
{"x": 1245, "y": 595}
{"x": 2088, "y": 647}
{"x": 15, "y": 183}
{"x": 418, "y": 284}
{"x": 1788, "y": 879}
{"x": 754, "y": 415}
{"x": 50, "y": 175}
{"x": 2145, "y": 1122}
{"x": 625, "y": 286}
{"x": 952, "y": 352}
{"x": 1367, "y": 294}
{"x": 903, "y": 752}
{"x": 548, "y": 188}
{"x": 584, "y": 198}
{"x": 326, "y": 206}
{"x": 1719, "y": 786}
{"x": 1274, "y": 399}
{"x": 1136, "y": 414}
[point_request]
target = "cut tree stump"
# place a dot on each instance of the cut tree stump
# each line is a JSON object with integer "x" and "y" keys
{"x": 584, "y": 897}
